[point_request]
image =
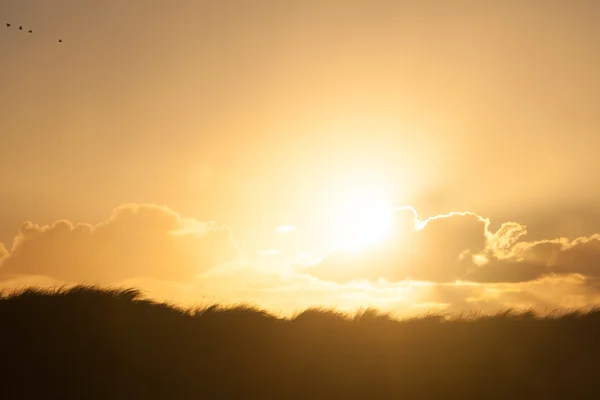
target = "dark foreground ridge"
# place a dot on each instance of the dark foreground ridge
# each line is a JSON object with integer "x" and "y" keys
{"x": 90, "y": 343}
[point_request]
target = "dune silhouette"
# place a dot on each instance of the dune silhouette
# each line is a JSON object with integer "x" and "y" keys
{"x": 91, "y": 342}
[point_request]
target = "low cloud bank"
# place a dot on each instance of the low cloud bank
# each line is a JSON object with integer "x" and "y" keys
{"x": 452, "y": 262}
{"x": 461, "y": 247}
{"x": 136, "y": 241}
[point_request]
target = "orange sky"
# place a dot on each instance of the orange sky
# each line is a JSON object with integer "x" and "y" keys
{"x": 261, "y": 114}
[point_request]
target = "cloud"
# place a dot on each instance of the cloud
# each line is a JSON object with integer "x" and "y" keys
{"x": 138, "y": 240}
{"x": 3, "y": 252}
{"x": 527, "y": 261}
{"x": 451, "y": 263}
{"x": 461, "y": 247}
{"x": 430, "y": 250}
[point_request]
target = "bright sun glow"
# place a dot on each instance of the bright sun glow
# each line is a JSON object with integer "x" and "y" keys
{"x": 363, "y": 217}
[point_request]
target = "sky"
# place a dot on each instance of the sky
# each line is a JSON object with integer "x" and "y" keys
{"x": 244, "y": 151}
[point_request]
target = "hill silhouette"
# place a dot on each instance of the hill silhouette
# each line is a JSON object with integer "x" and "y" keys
{"x": 87, "y": 342}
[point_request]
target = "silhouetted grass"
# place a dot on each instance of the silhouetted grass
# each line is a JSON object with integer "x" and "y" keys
{"x": 89, "y": 342}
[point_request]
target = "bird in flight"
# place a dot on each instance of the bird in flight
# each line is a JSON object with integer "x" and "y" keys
{"x": 8, "y": 25}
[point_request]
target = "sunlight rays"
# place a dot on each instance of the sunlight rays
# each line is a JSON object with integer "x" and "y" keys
{"x": 364, "y": 217}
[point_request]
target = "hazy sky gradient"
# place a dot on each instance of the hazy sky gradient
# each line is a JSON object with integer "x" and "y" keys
{"x": 256, "y": 114}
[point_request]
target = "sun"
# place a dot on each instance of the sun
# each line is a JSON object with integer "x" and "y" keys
{"x": 363, "y": 217}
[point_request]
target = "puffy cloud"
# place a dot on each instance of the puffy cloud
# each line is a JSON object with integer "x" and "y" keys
{"x": 505, "y": 238}
{"x": 461, "y": 246}
{"x": 437, "y": 249}
{"x": 136, "y": 241}
{"x": 531, "y": 260}
{"x": 451, "y": 263}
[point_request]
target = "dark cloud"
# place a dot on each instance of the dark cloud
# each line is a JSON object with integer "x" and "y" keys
{"x": 561, "y": 256}
{"x": 504, "y": 271}
{"x": 432, "y": 252}
{"x": 460, "y": 246}
{"x": 136, "y": 241}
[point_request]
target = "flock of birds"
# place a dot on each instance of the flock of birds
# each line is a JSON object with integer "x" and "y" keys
{"x": 8, "y": 25}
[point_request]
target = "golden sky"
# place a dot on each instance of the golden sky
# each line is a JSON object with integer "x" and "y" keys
{"x": 303, "y": 129}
